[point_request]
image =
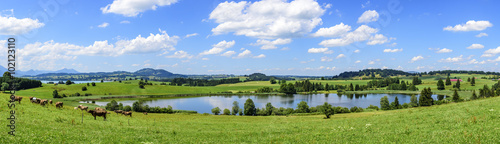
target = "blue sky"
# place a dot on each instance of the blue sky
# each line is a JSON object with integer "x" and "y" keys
{"x": 299, "y": 37}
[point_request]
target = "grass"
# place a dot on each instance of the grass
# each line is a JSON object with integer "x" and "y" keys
{"x": 467, "y": 122}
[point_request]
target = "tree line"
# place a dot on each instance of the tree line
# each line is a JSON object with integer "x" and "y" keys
{"x": 202, "y": 82}
{"x": 19, "y": 83}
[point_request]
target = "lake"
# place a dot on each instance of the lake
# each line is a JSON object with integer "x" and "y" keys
{"x": 204, "y": 104}
{"x": 76, "y": 82}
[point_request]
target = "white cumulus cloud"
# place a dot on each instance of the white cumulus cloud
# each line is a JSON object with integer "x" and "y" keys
{"x": 476, "y": 46}
{"x": 103, "y": 25}
{"x": 362, "y": 33}
{"x": 266, "y": 44}
{"x": 334, "y": 31}
{"x": 340, "y": 56}
{"x": 228, "y": 53}
{"x": 267, "y": 19}
{"x": 393, "y": 50}
{"x": 180, "y": 55}
{"x": 377, "y": 39}
{"x": 481, "y": 35}
{"x": 416, "y": 58}
{"x": 491, "y": 52}
{"x": 368, "y": 16}
{"x": 131, "y": 8}
{"x": 452, "y": 59}
{"x": 13, "y": 26}
{"x": 444, "y": 50}
{"x": 219, "y": 47}
{"x": 471, "y": 25}
{"x": 320, "y": 50}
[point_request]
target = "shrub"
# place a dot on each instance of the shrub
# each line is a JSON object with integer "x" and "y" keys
{"x": 227, "y": 112}
{"x": 328, "y": 110}
{"x": 373, "y": 107}
{"x": 127, "y": 108}
{"x": 302, "y": 107}
{"x": 84, "y": 88}
{"x": 405, "y": 105}
{"x": 216, "y": 111}
{"x": 384, "y": 103}
{"x": 93, "y": 83}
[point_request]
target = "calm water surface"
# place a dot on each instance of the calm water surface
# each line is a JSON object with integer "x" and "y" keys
{"x": 204, "y": 104}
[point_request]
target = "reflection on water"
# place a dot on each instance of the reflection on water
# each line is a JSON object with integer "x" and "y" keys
{"x": 204, "y": 104}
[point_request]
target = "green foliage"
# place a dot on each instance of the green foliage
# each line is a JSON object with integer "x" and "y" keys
{"x": 265, "y": 90}
{"x": 127, "y": 108}
{"x": 249, "y": 108}
{"x": 287, "y": 88}
{"x": 426, "y": 97}
{"x": 474, "y": 96}
{"x": 328, "y": 110}
{"x": 405, "y": 105}
{"x": 416, "y": 81}
{"x": 269, "y": 109}
{"x": 456, "y": 98}
{"x": 84, "y": 88}
{"x": 216, "y": 111}
{"x": 68, "y": 82}
{"x": 384, "y": 103}
{"x": 395, "y": 104}
{"x": 440, "y": 85}
{"x": 226, "y": 112}
{"x": 448, "y": 81}
{"x": 236, "y": 108}
{"x": 55, "y": 94}
{"x": 473, "y": 81}
{"x": 457, "y": 85}
{"x": 302, "y": 107}
{"x": 93, "y": 83}
{"x": 440, "y": 97}
{"x": 373, "y": 107}
{"x": 5, "y": 86}
{"x": 272, "y": 81}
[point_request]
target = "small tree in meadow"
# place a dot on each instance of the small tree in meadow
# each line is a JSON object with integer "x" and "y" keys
{"x": 440, "y": 85}
{"x": 84, "y": 88}
{"x": 302, "y": 107}
{"x": 227, "y": 112}
{"x": 328, "y": 110}
{"x": 474, "y": 96}
{"x": 249, "y": 108}
{"x": 384, "y": 103}
{"x": 216, "y": 111}
{"x": 235, "y": 108}
{"x": 413, "y": 101}
{"x": 456, "y": 98}
{"x": 55, "y": 94}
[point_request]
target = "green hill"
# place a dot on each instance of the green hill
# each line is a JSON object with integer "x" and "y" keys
{"x": 467, "y": 122}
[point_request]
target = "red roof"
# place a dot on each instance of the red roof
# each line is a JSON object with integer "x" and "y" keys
{"x": 455, "y": 79}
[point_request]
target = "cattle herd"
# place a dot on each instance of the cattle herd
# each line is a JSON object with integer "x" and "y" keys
{"x": 95, "y": 112}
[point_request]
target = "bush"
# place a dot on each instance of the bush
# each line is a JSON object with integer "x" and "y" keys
{"x": 88, "y": 94}
{"x": 373, "y": 107}
{"x": 93, "y": 83}
{"x": 127, "y": 108}
{"x": 405, "y": 105}
{"x": 216, "y": 111}
{"x": 384, "y": 103}
{"x": 84, "y": 88}
{"x": 328, "y": 110}
{"x": 302, "y": 107}
{"x": 227, "y": 112}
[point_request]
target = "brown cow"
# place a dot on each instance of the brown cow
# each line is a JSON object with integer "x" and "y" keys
{"x": 50, "y": 101}
{"x": 98, "y": 113}
{"x": 59, "y": 104}
{"x": 18, "y": 99}
{"x": 31, "y": 98}
{"x": 81, "y": 107}
{"x": 127, "y": 113}
{"x": 145, "y": 113}
{"x": 118, "y": 112}
{"x": 43, "y": 102}
{"x": 38, "y": 101}
{"x": 98, "y": 108}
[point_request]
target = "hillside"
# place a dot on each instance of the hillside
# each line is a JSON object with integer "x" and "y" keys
{"x": 467, "y": 122}
{"x": 148, "y": 73}
{"x": 371, "y": 73}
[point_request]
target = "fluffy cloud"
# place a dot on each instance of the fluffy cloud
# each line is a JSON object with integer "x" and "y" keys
{"x": 267, "y": 19}
{"x": 140, "y": 45}
{"x": 180, "y": 55}
{"x": 326, "y": 59}
{"x": 416, "y": 58}
{"x": 444, "y": 50}
{"x": 334, "y": 31}
{"x": 452, "y": 59}
{"x": 247, "y": 53}
{"x": 125, "y": 22}
{"x": 371, "y": 62}
{"x": 219, "y": 47}
{"x": 131, "y": 8}
{"x": 362, "y": 33}
{"x": 474, "y": 61}
{"x": 358, "y": 61}
{"x": 340, "y": 56}
{"x": 475, "y": 46}
{"x": 393, "y": 50}
{"x": 357, "y": 51}
{"x": 320, "y": 50}
{"x": 272, "y": 44}
{"x": 45, "y": 55}
{"x": 377, "y": 39}
{"x": 228, "y": 53}
{"x": 491, "y": 52}
{"x": 481, "y": 35}
{"x": 13, "y": 26}
{"x": 368, "y": 16}
{"x": 470, "y": 26}
{"x": 103, "y": 25}
{"x": 495, "y": 60}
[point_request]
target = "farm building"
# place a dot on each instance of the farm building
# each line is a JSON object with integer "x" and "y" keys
{"x": 454, "y": 80}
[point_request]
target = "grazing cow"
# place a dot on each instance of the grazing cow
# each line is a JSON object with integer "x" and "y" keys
{"x": 50, "y": 101}
{"x": 76, "y": 108}
{"x": 127, "y": 113}
{"x": 31, "y": 98}
{"x": 98, "y": 108}
{"x": 38, "y": 101}
{"x": 118, "y": 112}
{"x": 98, "y": 113}
{"x": 81, "y": 107}
{"x": 145, "y": 113}
{"x": 18, "y": 99}
{"x": 59, "y": 104}
{"x": 43, "y": 102}
{"x": 33, "y": 101}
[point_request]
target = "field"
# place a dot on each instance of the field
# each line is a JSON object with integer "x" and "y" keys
{"x": 467, "y": 122}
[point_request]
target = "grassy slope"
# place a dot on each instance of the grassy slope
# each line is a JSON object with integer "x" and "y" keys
{"x": 122, "y": 89}
{"x": 467, "y": 122}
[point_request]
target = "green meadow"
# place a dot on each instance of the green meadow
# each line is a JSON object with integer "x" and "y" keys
{"x": 466, "y": 122}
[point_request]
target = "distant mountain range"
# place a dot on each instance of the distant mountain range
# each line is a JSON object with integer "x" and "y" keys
{"x": 70, "y": 74}
{"x": 32, "y": 72}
